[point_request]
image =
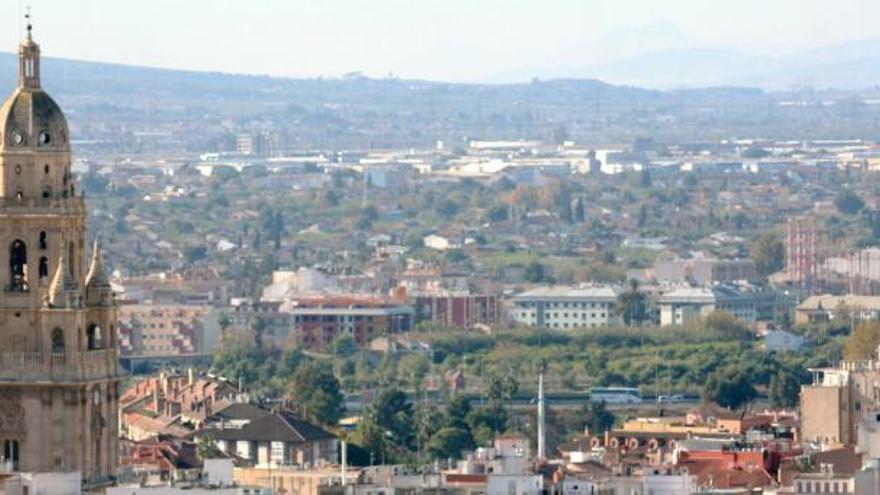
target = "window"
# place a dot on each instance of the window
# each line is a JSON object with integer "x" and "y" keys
{"x": 18, "y": 266}
{"x": 44, "y": 267}
{"x": 243, "y": 449}
{"x": 94, "y": 337}
{"x": 57, "y": 340}
{"x": 46, "y": 169}
{"x": 71, "y": 259}
{"x": 277, "y": 453}
{"x": 44, "y": 243}
{"x": 11, "y": 452}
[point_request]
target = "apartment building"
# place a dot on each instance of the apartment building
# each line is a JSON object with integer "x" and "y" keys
{"x": 319, "y": 321}
{"x": 690, "y": 304}
{"x": 162, "y": 330}
{"x": 458, "y": 310}
{"x": 566, "y": 307}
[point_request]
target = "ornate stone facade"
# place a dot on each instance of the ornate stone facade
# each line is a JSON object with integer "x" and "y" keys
{"x": 59, "y": 374}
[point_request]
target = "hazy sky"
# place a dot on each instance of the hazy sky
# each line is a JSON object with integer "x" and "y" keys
{"x": 457, "y": 40}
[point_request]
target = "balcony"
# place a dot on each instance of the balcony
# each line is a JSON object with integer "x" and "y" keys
{"x": 40, "y": 205}
{"x": 59, "y": 367}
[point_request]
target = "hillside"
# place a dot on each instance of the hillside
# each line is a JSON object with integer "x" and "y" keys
{"x": 203, "y": 110}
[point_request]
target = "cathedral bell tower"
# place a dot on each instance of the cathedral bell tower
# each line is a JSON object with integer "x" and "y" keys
{"x": 59, "y": 371}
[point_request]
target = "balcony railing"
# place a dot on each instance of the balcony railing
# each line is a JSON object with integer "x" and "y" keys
{"x": 72, "y": 204}
{"x": 57, "y": 366}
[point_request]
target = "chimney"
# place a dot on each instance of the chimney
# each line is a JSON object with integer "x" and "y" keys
{"x": 190, "y": 376}
{"x": 159, "y": 401}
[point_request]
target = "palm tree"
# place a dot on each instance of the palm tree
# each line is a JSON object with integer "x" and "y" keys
{"x": 632, "y": 305}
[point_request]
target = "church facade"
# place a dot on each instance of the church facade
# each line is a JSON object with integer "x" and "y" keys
{"x": 59, "y": 372}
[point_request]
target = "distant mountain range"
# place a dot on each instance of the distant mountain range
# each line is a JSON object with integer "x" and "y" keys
{"x": 854, "y": 65}
{"x": 660, "y": 56}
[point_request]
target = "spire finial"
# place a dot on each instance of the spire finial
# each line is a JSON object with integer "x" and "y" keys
{"x": 97, "y": 284}
{"x": 27, "y": 19}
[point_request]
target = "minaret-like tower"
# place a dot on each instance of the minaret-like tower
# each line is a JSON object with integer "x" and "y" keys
{"x": 59, "y": 371}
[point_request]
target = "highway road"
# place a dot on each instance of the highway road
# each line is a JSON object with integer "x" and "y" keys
{"x": 564, "y": 400}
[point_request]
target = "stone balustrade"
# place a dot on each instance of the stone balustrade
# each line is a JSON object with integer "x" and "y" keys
{"x": 18, "y": 206}
{"x": 22, "y": 366}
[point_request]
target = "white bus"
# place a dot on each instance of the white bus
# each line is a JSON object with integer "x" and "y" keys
{"x": 616, "y": 395}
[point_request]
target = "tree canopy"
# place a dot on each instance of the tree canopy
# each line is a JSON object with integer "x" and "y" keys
{"x": 863, "y": 342}
{"x": 316, "y": 388}
{"x": 768, "y": 253}
{"x": 848, "y": 202}
{"x": 729, "y": 388}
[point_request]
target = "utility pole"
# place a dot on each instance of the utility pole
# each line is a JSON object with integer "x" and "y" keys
{"x": 541, "y": 447}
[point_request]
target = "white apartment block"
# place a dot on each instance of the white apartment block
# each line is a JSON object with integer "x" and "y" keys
{"x": 690, "y": 304}
{"x": 561, "y": 308}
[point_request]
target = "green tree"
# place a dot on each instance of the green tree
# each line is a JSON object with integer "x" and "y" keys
{"x": 316, "y": 388}
{"x": 330, "y": 199}
{"x": 848, "y": 202}
{"x": 768, "y": 252}
{"x": 456, "y": 256}
{"x": 206, "y": 448}
{"x": 784, "y": 390}
{"x": 94, "y": 183}
{"x": 224, "y": 322}
{"x": 259, "y": 326}
{"x": 457, "y": 412}
{"x": 392, "y": 411}
{"x": 578, "y": 214}
{"x": 427, "y": 419}
{"x": 534, "y": 272}
{"x": 597, "y": 417}
{"x": 193, "y": 254}
{"x": 291, "y": 360}
{"x": 873, "y": 218}
{"x": 448, "y": 209}
{"x": 755, "y": 152}
{"x": 632, "y": 305}
{"x": 371, "y": 437}
{"x": 368, "y": 216}
{"x": 642, "y": 219}
{"x": 497, "y": 213}
{"x": 486, "y": 421}
{"x": 727, "y": 324}
{"x": 449, "y": 442}
{"x": 729, "y": 388}
{"x": 343, "y": 345}
{"x": 413, "y": 368}
{"x": 862, "y": 343}
{"x": 645, "y": 178}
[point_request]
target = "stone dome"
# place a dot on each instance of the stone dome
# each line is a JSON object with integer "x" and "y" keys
{"x": 30, "y": 119}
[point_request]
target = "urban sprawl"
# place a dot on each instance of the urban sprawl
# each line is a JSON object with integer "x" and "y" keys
{"x": 250, "y": 315}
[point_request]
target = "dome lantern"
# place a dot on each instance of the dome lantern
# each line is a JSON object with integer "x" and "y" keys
{"x": 29, "y": 60}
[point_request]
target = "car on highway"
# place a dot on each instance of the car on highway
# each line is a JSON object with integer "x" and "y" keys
{"x": 616, "y": 395}
{"x": 670, "y": 399}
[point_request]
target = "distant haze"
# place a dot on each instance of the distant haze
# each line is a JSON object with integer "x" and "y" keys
{"x": 660, "y": 43}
